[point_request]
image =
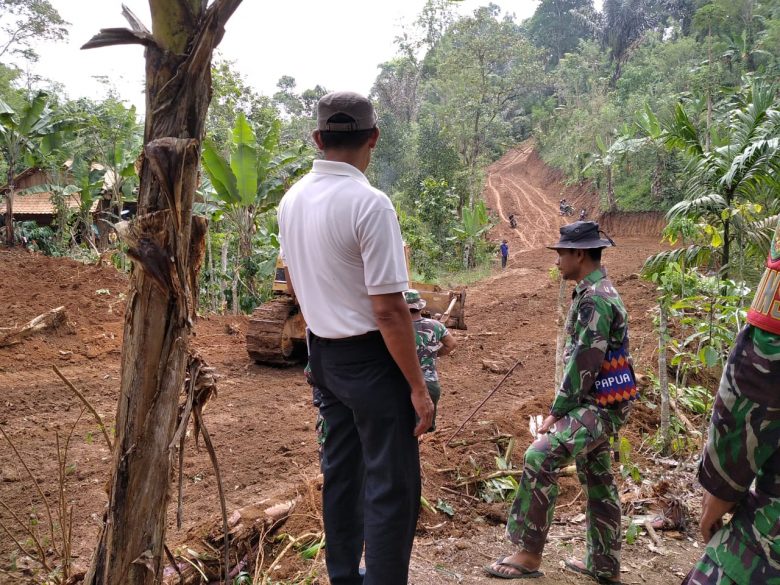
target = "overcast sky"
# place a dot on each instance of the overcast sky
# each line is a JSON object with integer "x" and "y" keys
{"x": 336, "y": 43}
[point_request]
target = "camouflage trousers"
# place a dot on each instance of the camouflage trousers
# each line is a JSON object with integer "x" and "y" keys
{"x": 583, "y": 436}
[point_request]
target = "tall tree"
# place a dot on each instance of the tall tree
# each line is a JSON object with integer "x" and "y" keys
{"x": 624, "y": 23}
{"x": 24, "y": 21}
{"x": 166, "y": 244}
{"x": 559, "y": 25}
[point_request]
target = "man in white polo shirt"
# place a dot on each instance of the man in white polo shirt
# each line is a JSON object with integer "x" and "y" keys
{"x": 342, "y": 244}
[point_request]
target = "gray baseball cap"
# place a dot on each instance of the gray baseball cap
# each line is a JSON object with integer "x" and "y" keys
{"x": 349, "y": 103}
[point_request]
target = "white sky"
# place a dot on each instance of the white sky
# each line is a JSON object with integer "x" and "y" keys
{"x": 336, "y": 43}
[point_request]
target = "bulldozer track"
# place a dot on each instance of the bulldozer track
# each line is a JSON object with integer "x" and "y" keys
{"x": 267, "y": 341}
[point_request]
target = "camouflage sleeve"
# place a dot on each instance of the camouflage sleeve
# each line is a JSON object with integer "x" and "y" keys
{"x": 744, "y": 430}
{"x": 590, "y": 341}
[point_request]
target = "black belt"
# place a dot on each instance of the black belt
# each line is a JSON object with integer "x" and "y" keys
{"x": 363, "y": 337}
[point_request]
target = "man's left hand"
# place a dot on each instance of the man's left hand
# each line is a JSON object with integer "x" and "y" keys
{"x": 712, "y": 511}
{"x": 547, "y": 424}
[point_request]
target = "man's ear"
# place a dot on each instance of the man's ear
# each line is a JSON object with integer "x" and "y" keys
{"x": 317, "y": 139}
{"x": 374, "y": 138}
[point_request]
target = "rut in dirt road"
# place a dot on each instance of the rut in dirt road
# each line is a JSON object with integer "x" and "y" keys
{"x": 509, "y": 189}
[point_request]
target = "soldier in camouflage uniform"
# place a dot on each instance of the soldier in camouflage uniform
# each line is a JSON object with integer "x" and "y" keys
{"x": 744, "y": 447}
{"x": 590, "y": 406}
{"x": 432, "y": 339}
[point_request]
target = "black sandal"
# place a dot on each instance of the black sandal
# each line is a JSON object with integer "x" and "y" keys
{"x": 575, "y": 568}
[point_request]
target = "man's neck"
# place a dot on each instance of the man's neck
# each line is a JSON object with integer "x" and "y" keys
{"x": 416, "y": 317}
{"x": 356, "y": 158}
{"x": 586, "y": 269}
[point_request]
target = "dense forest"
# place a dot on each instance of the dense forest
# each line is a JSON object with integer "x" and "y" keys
{"x": 666, "y": 105}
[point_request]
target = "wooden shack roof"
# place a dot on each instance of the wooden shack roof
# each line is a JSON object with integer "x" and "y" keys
{"x": 37, "y": 203}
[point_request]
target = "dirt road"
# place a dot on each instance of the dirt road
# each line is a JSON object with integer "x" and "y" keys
{"x": 263, "y": 424}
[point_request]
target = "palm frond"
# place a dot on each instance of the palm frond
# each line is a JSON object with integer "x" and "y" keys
{"x": 693, "y": 255}
{"x": 697, "y": 206}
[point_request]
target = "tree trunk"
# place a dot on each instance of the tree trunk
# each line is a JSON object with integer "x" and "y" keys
{"x": 166, "y": 245}
{"x": 234, "y": 289}
{"x": 560, "y": 338}
{"x": 222, "y": 281}
{"x": 9, "y": 210}
{"x": 663, "y": 378}
{"x": 611, "y": 201}
{"x": 211, "y": 300}
{"x": 656, "y": 183}
{"x": 726, "y": 245}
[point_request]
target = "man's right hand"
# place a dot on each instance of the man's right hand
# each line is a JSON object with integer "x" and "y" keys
{"x": 423, "y": 406}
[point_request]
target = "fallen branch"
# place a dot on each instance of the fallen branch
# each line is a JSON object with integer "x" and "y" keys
{"x": 481, "y": 404}
{"x": 467, "y": 442}
{"x": 248, "y": 527}
{"x": 49, "y": 320}
{"x": 678, "y": 413}
{"x": 652, "y": 533}
{"x": 567, "y": 471}
{"x": 577, "y": 497}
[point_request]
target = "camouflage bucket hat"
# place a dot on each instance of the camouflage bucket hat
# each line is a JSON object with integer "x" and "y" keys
{"x": 582, "y": 235}
{"x": 414, "y": 300}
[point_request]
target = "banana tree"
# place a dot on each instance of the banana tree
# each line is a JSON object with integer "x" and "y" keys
{"x": 251, "y": 181}
{"x": 473, "y": 226}
{"x": 20, "y": 136}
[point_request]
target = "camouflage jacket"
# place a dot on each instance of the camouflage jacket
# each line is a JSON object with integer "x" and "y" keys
{"x": 428, "y": 334}
{"x": 742, "y": 448}
{"x": 597, "y": 322}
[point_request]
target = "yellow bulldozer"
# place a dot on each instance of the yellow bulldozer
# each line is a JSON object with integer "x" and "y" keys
{"x": 277, "y": 331}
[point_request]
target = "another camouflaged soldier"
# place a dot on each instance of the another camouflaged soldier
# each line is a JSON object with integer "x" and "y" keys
{"x": 743, "y": 447}
{"x": 589, "y": 408}
{"x": 432, "y": 339}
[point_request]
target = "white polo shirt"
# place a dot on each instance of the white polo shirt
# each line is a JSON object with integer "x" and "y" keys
{"x": 341, "y": 242}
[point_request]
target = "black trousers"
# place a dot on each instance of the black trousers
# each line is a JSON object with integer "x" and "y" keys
{"x": 503, "y": 261}
{"x": 370, "y": 460}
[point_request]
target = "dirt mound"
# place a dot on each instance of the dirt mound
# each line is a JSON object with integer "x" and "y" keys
{"x": 93, "y": 297}
{"x": 639, "y": 223}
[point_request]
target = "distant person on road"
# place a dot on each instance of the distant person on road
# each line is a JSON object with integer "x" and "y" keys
{"x": 744, "y": 447}
{"x": 341, "y": 241}
{"x": 504, "y": 250}
{"x": 433, "y": 340}
{"x": 512, "y": 221}
{"x": 590, "y": 406}
{"x": 583, "y": 215}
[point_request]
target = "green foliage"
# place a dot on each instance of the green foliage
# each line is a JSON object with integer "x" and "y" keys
{"x": 445, "y": 507}
{"x": 242, "y": 191}
{"x": 628, "y": 467}
{"x": 726, "y": 181}
{"x": 632, "y": 533}
{"x": 474, "y": 224}
{"x": 37, "y": 238}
